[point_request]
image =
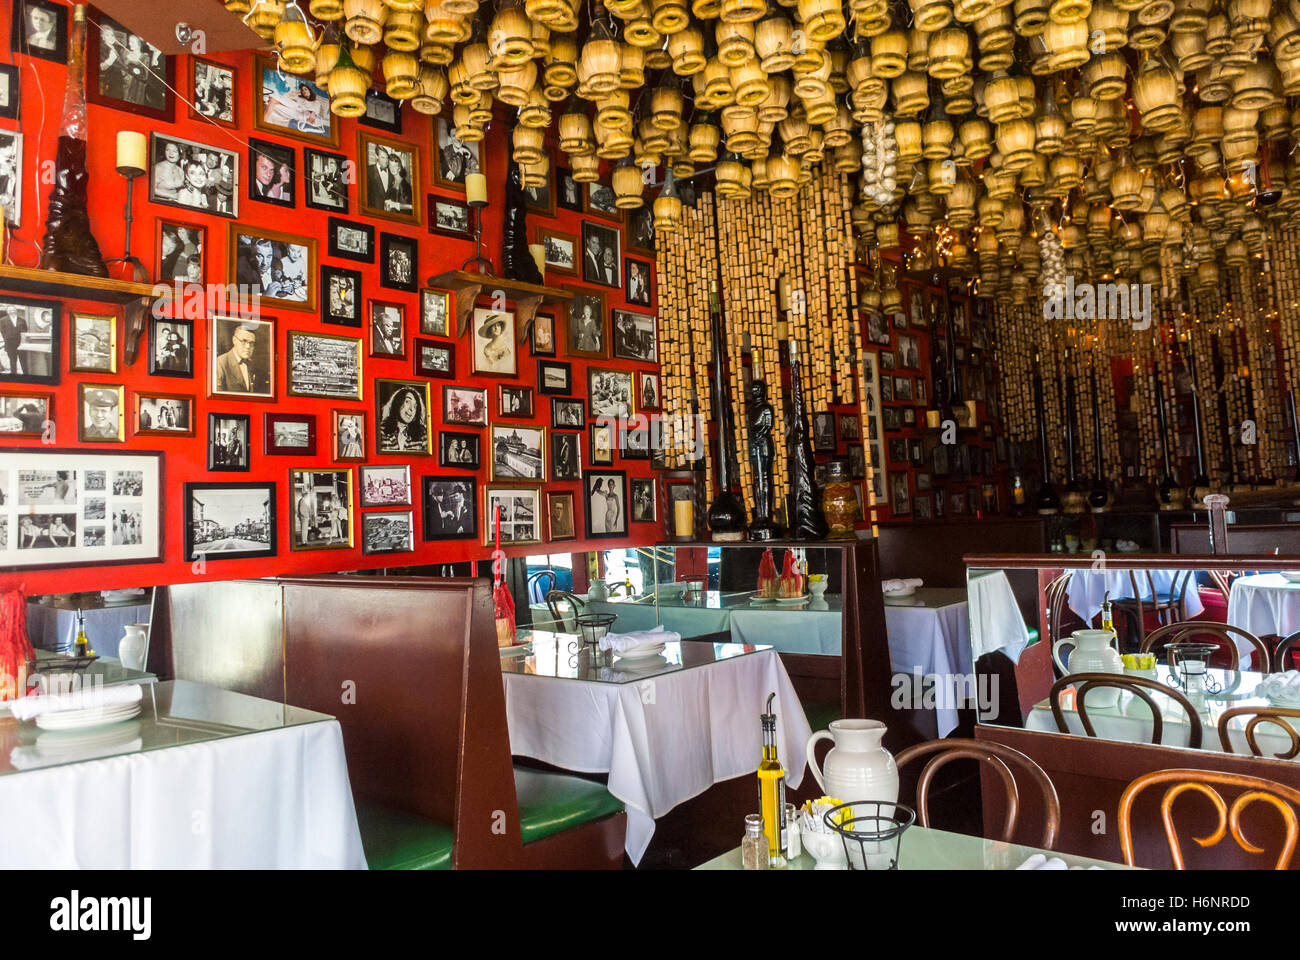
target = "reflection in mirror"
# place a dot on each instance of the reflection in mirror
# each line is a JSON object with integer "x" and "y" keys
{"x": 115, "y": 624}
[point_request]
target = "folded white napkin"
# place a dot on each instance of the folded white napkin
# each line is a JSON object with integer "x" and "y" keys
{"x": 1040, "y": 862}
{"x": 899, "y": 586}
{"x": 27, "y": 708}
{"x": 1284, "y": 686}
{"x": 619, "y": 642}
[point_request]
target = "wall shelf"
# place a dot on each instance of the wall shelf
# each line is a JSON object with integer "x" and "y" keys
{"x": 53, "y": 283}
{"x": 468, "y": 287}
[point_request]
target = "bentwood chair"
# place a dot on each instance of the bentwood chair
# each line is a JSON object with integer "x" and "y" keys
{"x": 1166, "y": 607}
{"x": 1083, "y": 682}
{"x": 1282, "y": 653}
{"x": 1223, "y": 633}
{"x": 556, "y": 597}
{"x": 540, "y": 584}
{"x": 1061, "y": 620}
{"x": 1282, "y": 798}
{"x": 999, "y": 757}
{"x": 1258, "y": 715}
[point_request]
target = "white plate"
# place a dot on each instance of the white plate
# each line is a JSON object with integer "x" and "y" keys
{"x": 758, "y": 599}
{"x": 645, "y": 650}
{"x": 899, "y": 593}
{"x": 787, "y": 601}
{"x": 60, "y": 743}
{"x": 642, "y": 663}
{"x": 84, "y": 719}
{"x": 1291, "y": 575}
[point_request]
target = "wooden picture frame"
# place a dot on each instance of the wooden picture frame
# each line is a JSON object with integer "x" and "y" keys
{"x": 394, "y": 434}
{"x": 244, "y": 264}
{"x": 384, "y": 342}
{"x": 638, "y": 226}
{"x": 599, "y": 200}
{"x": 377, "y": 104}
{"x": 542, "y": 204}
{"x": 452, "y": 406}
{"x": 225, "y": 377}
{"x": 426, "y": 364}
{"x": 269, "y": 84}
{"x": 436, "y": 224}
{"x": 228, "y": 117}
{"x": 18, "y": 419}
{"x": 541, "y": 335}
{"x": 554, "y": 241}
{"x": 273, "y": 447}
{"x": 568, "y": 527}
{"x": 441, "y": 167}
{"x": 167, "y": 265}
{"x": 91, "y": 428}
{"x": 494, "y": 494}
{"x": 493, "y": 354}
{"x": 525, "y": 395}
{"x": 435, "y": 313}
{"x": 582, "y": 329}
{"x": 508, "y": 461}
{"x": 374, "y": 199}
{"x": 226, "y": 460}
{"x": 596, "y": 269}
{"x": 139, "y": 414}
{"x": 576, "y": 419}
{"x": 600, "y": 454}
{"x": 279, "y": 157}
{"x": 252, "y": 515}
{"x": 335, "y": 187}
{"x": 167, "y": 359}
{"x": 348, "y": 435}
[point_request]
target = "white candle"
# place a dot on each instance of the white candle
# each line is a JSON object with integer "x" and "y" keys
{"x": 132, "y": 151}
{"x": 476, "y": 188}
{"x": 683, "y": 518}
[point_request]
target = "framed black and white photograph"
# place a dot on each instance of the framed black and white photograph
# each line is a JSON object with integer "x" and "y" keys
{"x": 212, "y": 86}
{"x": 897, "y": 447}
{"x": 890, "y": 418}
{"x": 568, "y": 192}
{"x": 434, "y": 359}
{"x": 542, "y": 336}
{"x": 388, "y": 532}
{"x": 641, "y": 230}
{"x": 635, "y": 337}
{"x": 566, "y": 456}
{"x": 382, "y": 112}
{"x": 30, "y": 338}
{"x": 340, "y": 296}
{"x": 398, "y": 261}
{"x": 600, "y": 443}
{"x": 636, "y": 282}
{"x": 636, "y": 442}
{"x": 386, "y": 485}
{"x": 403, "y": 417}
{"x": 450, "y": 508}
{"x": 587, "y": 326}
{"x": 903, "y": 389}
{"x": 321, "y": 501}
{"x": 348, "y": 435}
{"x": 323, "y": 365}
{"x": 453, "y": 159}
{"x": 459, "y": 449}
{"x": 292, "y": 105}
{"x": 514, "y": 403}
{"x": 602, "y": 201}
{"x": 171, "y": 347}
{"x": 435, "y": 310}
{"x": 494, "y": 348}
{"x": 101, "y": 413}
{"x": 387, "y": 329}
{"x": 327, "y": 174}
{"x": 560, "y": 523}
{"x": 648, "y": 390}
{"x": 561, "y": 251}
{"x": 272, "y": 172}
{"x": 857, "y": 462}
{"x": 602, "y": 254}
{"x": 540, "y": 199}
{"x": 823, "y": 432}
{"x": 280, "y": 266}
{"x": 644, "y": 499}
{"x": 609, "y": 393}
{"x": 465, "y": 406}
{"x": 126, "y": 72}
{"x": 606, "y": 493}
{"x": 900, "y": 501}
{"x": 351, "y": 240}
{"x": 554, "y": 376}
{"x": 164, "y": 415}
{"x": 11, "y": 176}
{"x": 182, "y": 252}
{"x": 916, "y": 452}
{"x": 390, "y": 175}
{"x": 520, "y": 511}
{"x": 887, "y": 389}
{"x": 568, "y": 413}
{"x": 878, "y": 331}
{"x": 449, "y": 217}
{"x": 850, "y": 428}
{"x": 192, "y": 175}
{"x": 94, "y": 343}
{"x": 228, "y": 436}
{"x": 289, "y": 434}
{"x": 517, "y": 453}
{"x": 9, "y": 91}
{"x": 921, "y": 508}
{"x": 229, "y": 521}
{"x": 909, "y": 358}
{"x": 40, "y": 29}
{"x": 242, "y": 358}
{"x": 25, "y": 414}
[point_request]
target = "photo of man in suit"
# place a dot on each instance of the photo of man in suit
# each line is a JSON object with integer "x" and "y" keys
{"x": 600, "y": 255}
{"x": 239, "y": 369}
{"x": 388, "y": 180}
{"x": 12, "y": 327}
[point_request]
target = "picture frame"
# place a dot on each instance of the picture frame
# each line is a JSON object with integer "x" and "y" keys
{"x": 521, "y": 521}
{"x": 388, "y": 329}
{"x": 385, "y": 485}
{"x": 235, "y": 520}
{"x": 272, "y": 173}
{"x": 903, "y": 389}
{"x": 635, "y": 336}
{"x": 648, "y": 393}
{"x": 465, "y": 406}
{"x": 325, "y": 180}
{"x": 921, "y": 508}
{"x": 514, "y": 402}
{"x": 639, "y": 228}
{"x": 122, "y": 75}
{"x": 241, "y": 358}
{"x": 897, "y": 447}
{"x": 388, "y": 531}
{"x": 351, "y": 240}
{"x": 450, "y": 217}
{"x": 850, "y": 428}
{"x": 435, "y": 313}
{"x": 382, "y": 112}
{"x": 541, "y": 335}
{"x": 321, "y": 515}
{"x": 643, "y": 500}
{"x": 324, "y": 365}
{"x": 566, "y": 457}
{"x": 610, "y": 393}
{"x": 568, "y": 192}
{"x": 341, "y": 296}
{"x": 26, "y": 414}
{"x": 291, "y": 106}
{"x": 600, "y": 442}
{"x": 460, "y": 450}
{"x": 909, "y": 416}
{"x": 212, "y": 92}
{"x": 348, "y": 435}
{"x": 900, "y": 500}
{"x": 11, "y": 167}
{"x": 281, "y": 266}
{"x": 403, "y": 417}
{"x": 10, "y": 91}
{"x": 494, "y": 350}
{"x": 611, "y": 486}
{"x": 93, "y": 337}
{"x": 289, "y": 434}
{"x": 560, "y": 524}
{"x": 518, "y": 453}
{"x": 636, "y": 441}
{"x": 599, "y": 200}
{"x": 31, "y": 337}
{"x": 823, "y": 432}
{"x": 452, "y": 158}
{"x": 601, "y": 254}
{"x": 101, "y": 413}
{"x": 586, "y": 331}
{"x": 541, "y": 200}
{"x": 636, "y": 282}
{"x": 171, "y": 347}
{"x": 163, "y": 414}
{"x": 399, "y": 259}
{"x": 554, "y": 377}
{"x": 434, "y": 359}
{"x": 39, "y": 28}
{"x": 568, "y": 413}
{"x": 179, "y": 245}
{"x": 450, "y": 508}
{"x": 890, "y": 417}
{"x": 562, "y": 251}
{"x": 384, "y": 190}
{"x": 79, "y": 507}
{"x": 229, "y": 442}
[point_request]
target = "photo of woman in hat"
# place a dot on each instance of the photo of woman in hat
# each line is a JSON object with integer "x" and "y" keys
{"x": 494, "y": 342}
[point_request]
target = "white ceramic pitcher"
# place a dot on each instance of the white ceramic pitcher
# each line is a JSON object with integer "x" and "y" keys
{"x": 135, "y": 643}
{"x": 1093, "y": 653}
{"x": 857, "y": 767}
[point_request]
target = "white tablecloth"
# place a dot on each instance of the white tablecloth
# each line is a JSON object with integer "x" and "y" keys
{"x": 272, "y": 799}
{"x": 1265, "y": 603}
{"x": 663, "y": 740}
{"x": 1088, "y": 589}
{"x": 996, "y": 623}
{"x": 809, "y": 630}
{"x": 51, "y": 628}
{"x": 933, "y": 642}
{"x": 689, "y": 621}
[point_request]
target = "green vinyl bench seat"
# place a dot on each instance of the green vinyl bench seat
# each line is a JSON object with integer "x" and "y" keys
{"x": 397, "y": 840}
{"x": 552, "y": 802}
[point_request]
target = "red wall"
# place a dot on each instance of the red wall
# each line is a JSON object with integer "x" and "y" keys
{"x": 42, "y": 85}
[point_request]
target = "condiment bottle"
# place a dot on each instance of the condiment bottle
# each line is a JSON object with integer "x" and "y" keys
{"x": 753, "y": 847}
{"x": 771, "y": 788}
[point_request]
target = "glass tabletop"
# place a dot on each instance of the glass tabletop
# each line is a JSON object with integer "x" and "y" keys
{"x": 555, "y": 655}
{"x": 105, "y": 670}
{"x": 173, "y": 713}
{"x": 929, "y": 598}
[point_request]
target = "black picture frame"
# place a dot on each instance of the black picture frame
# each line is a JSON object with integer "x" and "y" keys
{"x": 157, "y": 78}
{"x": 183, "y": 364}
{"x": 429, "y": 486}
{"x": 374, "y": 518}
{"x": 309, "y": 157}
{"x": 12, "y": 90}
{"x": 565, "y": 457}
{"x": 525, "y": 395}
{"x": 335, "y": 249}
{"x": 192, "y": 554}
{"x": 18, "y": 40}
{"x": 558, "y": 403}
{"x": 589, "y": 482}
{"x": 604, "y": 461}
{"x": 222, "y": 461}
{"x": 328, "y": 274}
{"x": 639, "y": 298}
{"x": 424, "y": 369}
{"x": 389, "y": 244}
{"x": 446, "y": 438}
{"x": 542, "y": 386}
{"x": 14, "y": 334}
{"x": 435, "y": 201}
{"x": 610, "y": 237}
{"x": 377, "y": 102}
{"x": 823, "y": 432}
{"x": 568, "y": 192}
{"x": 281, "y": 155}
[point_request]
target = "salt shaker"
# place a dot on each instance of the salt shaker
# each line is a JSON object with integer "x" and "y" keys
{"x": 793, "y": 838}
{"x": 753, "y": 848}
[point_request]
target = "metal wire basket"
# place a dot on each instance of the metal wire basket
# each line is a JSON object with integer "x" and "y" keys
{"x": 591, "y": 628}
{"x": 871, "y": 831}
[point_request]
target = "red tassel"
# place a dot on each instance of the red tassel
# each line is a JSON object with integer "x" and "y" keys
{"x": 15, "y": 648}
{"x": 503, "y": 604}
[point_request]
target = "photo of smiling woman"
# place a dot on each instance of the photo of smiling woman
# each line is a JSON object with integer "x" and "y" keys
{"x": 403, "y": 413}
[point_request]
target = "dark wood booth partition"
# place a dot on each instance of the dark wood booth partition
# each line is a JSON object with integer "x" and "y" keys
{"x": 410, "y": 668}
{"x": 1244, "y": 539}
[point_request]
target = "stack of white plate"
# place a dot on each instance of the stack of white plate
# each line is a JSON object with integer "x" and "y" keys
{"x": 66, "y": 743}
{"x": 644, "y": 650}
{"x": 87, "y": 717}
{"x": 1291, "y": 575}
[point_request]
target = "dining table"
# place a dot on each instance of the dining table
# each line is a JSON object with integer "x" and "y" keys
{"x": 1088, "y": 588}
{"x": 203, "y": 778}
{"x": 1130, "y": 719}
{"x": 662, "y": 728}
{"x": 54, "y": 628}
{"x": 1265, "y": 604}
